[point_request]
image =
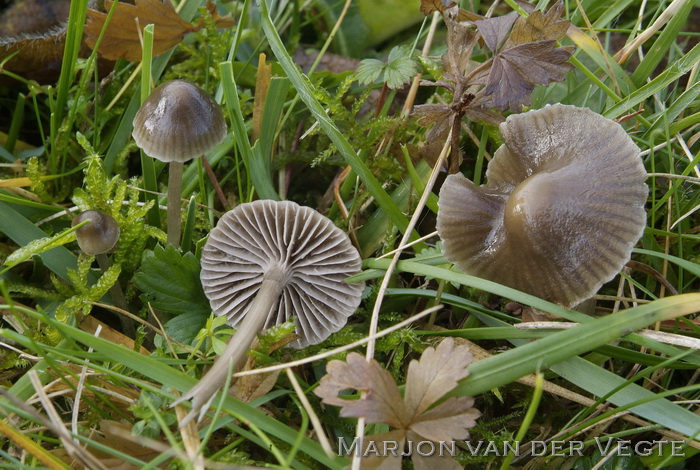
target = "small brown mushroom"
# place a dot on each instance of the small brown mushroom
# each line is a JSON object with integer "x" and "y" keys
{"x": 266, "y": 262}
{"x": 561, "y": 211}
{"x": 178, "y": 122}
{"x": 97, "y": 238}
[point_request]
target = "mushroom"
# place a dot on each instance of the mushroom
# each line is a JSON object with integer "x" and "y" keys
{"x": 266, "y": 262}
{"x": 97, "y": 238}
{"x": 176, "y": 123}
{"x": 561, "y": 211}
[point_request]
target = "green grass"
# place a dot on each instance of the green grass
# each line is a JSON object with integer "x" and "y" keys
{"x": 600, "y": 368}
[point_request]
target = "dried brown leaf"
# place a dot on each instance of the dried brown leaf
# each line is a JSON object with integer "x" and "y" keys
{"x": 449, "y": 420}
{"x": 428, "y": 380}
{"x": 431, "y": 6}
{"x": 516, "y": 71}
{"x": 540, "y": 27}
{"x": 381, "y": 401}
{"x": 121, "y": 40}
{"x": 437, "y": 372}
{"x": 118, "y": 436}
{"x": 460, "y": 44}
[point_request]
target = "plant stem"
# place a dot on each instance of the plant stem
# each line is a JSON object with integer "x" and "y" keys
{"x": 174, "y": 190}
{"x": 215, "y": 182}
{"x": 117, "y": 297}
{"x": 234, "y": 355}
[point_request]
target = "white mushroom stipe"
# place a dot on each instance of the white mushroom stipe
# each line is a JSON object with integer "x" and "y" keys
{"x": 561, "y": 211}
{"x": 267, "y": 262}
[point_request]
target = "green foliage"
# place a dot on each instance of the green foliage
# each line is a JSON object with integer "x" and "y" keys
{"x": 36, "y": 174}
{"x": 152, "y": 409}
{"x": 77, "y": 305}
{"x": 399, "y": 68}
{"x": 273, "y": 336}
{"x": 169, "y": 280}
{"x": 39, "y": 246}
{"x": 186, "y": 326}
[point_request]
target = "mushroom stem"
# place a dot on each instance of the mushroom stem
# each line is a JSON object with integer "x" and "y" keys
{"x": 174, "y": 193}
{"x": 117, "y": 296}
{"x": 234, "y": 355}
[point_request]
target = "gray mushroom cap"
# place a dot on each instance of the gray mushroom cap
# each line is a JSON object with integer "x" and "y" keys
{"x": 178, "y": 122}
{"x": 561, "y": 211}
{"x": 295, "y": 244}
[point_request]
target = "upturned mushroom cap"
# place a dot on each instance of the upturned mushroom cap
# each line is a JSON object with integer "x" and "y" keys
{"x": 294, "y": 244}
{"x": 561, "y": 211}
{"x": 98, "y": 236}
{"x": 177, "y": 122}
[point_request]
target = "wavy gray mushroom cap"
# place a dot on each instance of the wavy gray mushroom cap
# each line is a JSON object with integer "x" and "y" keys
{"x": 178, "y": 122}
{"x": 98, "y": 236}
{"x": 294, "y": 244}
{"x": 561, "y": 211}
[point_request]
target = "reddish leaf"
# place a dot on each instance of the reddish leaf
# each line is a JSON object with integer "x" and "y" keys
{"x": 517, "y": 70}
{"x": 495, "y": 30}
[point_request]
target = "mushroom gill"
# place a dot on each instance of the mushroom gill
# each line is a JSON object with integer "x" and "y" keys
{"x": 561, "y": 211}
{"x": 264, "y": 263}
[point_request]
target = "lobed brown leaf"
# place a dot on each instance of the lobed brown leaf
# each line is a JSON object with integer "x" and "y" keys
{"x": 381, "y": 401}
{"x": 540, "y": 27}
{"x": 460, "y": 45}
{"x": 516, "y": 71}
{"x": 438, "y": 371}
{"x": 495, "y": 30}
{"x": 428, "y": 380}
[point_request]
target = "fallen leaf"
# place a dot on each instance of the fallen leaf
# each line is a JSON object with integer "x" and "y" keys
{"x": 122, "y": 38}
{"x": 90, "y": 325}
{"x": 437, "y": 371}
{"x": 428, "y": 380}
{"x": 118, "y": 436}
